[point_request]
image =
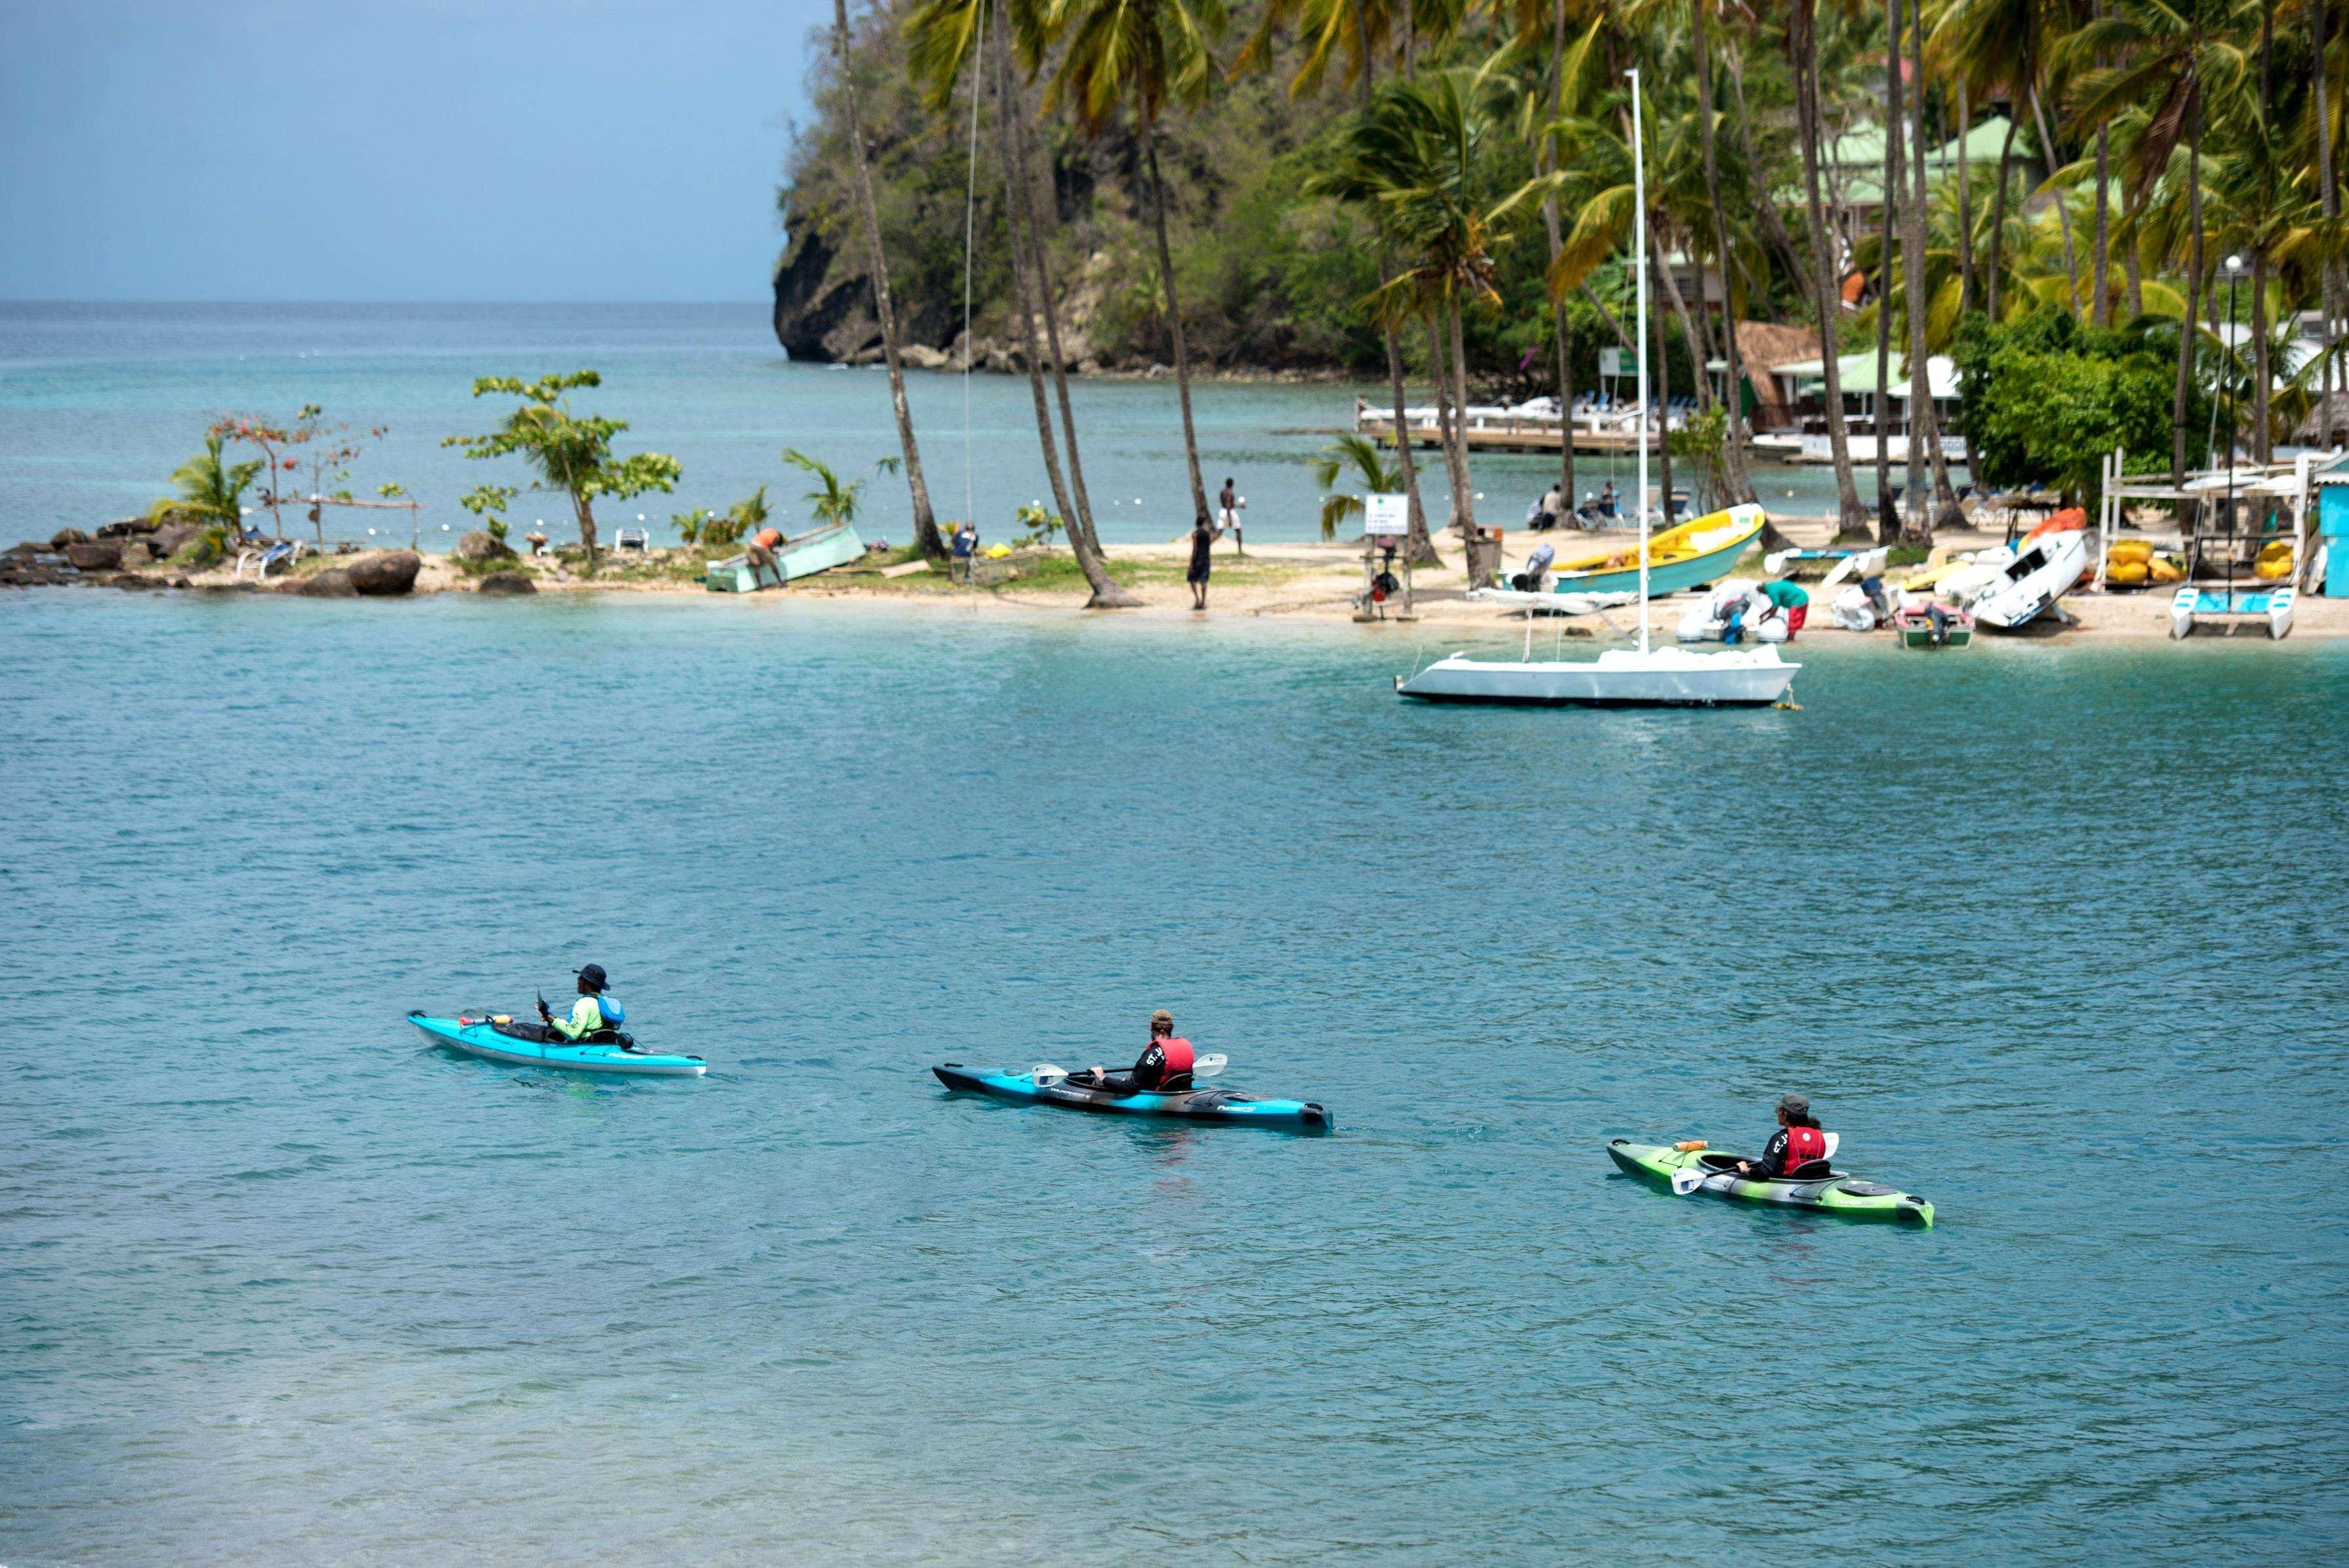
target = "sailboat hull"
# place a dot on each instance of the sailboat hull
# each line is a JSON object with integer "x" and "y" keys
{"x": 1667, "y": 677}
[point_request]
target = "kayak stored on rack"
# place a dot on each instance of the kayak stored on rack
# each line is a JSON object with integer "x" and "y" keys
{"x": 489, "y": 1040}
{"x": 1836, "y": 1193}
{"x": 1189, "y": 1104}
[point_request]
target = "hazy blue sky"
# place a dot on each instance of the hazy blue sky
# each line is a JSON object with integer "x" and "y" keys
{"x": 411, "y": 150}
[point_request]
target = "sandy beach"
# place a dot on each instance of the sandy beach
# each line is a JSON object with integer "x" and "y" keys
{"x": 1311, "y": 581}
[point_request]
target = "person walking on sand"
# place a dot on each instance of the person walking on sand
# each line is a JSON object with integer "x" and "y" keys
{"x": 1202, "y": 540}
{"x": 1230, "y": 503}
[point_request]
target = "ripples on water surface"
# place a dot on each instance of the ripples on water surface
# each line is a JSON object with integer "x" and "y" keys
{"x": 279, "y": 1284}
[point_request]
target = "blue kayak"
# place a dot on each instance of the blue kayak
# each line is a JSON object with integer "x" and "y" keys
{"x": 1189, "y": 1104}
{"x": 483, "y": 1038}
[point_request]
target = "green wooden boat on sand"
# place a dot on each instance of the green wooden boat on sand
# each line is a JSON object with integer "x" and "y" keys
{"x": 818, "y": 550}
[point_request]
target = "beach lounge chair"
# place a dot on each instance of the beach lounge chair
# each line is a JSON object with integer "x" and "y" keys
{"x": 281, "y": 554}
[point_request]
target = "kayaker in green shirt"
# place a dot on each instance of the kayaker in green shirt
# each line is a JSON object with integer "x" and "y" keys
{"x": 593, "y": 1011}
{"x": 1790, "y": 600}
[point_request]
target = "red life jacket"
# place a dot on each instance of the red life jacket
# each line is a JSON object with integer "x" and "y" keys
{"x": 1179, "y": 1055}
{"x": 1804, "y": 1144}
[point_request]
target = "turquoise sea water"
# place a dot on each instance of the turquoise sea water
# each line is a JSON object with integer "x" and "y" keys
{"x": 99, "y": 403}
{"x": 2051, "y": 936}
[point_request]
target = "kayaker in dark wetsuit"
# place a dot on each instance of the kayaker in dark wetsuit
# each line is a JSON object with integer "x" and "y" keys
{"x": 1797, "y": 1142}
{"x": 1165, "y": 1063}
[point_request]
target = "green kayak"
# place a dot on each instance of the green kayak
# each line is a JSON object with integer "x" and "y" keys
{"x": 1832, "y": 1192}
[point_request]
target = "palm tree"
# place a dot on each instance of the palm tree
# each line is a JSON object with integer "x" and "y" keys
{"x": 1413, "y": 159}
{"x": 1360, "y": 29}
{"x": 833, "y": 500}
{"x": 926, "y": 527}
{"x": 1924, "y": 424}
{"x": 1734, "y": 447}
{"x": 2173, "y": 54}
{"x": 1157, "y": 51}
{"x": 210, "y": 488}
{"x": 1377, "y": 477}
{"x": 944, "y": 39}
{"x": 1804, "y": 45}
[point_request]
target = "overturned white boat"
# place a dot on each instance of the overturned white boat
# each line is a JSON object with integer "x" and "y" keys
{"x": 2043, "y": 570}
{"x": 1644, "y": 676}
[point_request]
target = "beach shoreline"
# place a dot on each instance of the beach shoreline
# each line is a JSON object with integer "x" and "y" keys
{"x": 1307, "y": 581}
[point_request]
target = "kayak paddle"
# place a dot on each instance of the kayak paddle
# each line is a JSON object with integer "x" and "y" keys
{"x": 1688, "y": 1179}
{"x": 1209, "y": 1065}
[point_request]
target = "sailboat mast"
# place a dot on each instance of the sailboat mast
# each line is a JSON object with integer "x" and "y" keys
{"x": 1639, "y": 265}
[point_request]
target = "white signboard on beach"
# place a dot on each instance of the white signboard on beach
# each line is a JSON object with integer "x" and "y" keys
{"x": 1386, "y": 516}
{"x": 1610, "y": 363}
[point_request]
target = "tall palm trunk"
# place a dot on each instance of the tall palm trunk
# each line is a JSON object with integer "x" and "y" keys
{"x": 2264, "y": 399}
{"x": 1671, "y": 295}
{"x": 1965, "y": 200}
{"x": 1662, "y": 384}
{"x": 2186, "y": 328}
{"x": 926, "y": 526}
{"x": 1774, "y": 226}
{"x": 1851, "y": 517}
{"x": 1466, "y": 516}
{"x": 1020, "y": 213}
{"x": 2132, "y": 270}
{"x": 2100, "y": 271}
{"x": 2330, "y": 197}
{"x": 1038, "y": 191}
{"x": 2062, "y": 208}
{"x": 1549, "y": 222}
{"x": 1733, "y": 448}
{"x": 1174, "y": 307}
{"x": 1924, "y": 420}
{"x": 1998, "y": 209}
{"x": 1447, "y": 418}
{"x": 1895, "y": 174}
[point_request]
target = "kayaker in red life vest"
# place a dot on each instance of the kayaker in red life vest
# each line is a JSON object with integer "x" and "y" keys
{"x": 1165, "y": 1063}
{"x": 1797, "y": 1142}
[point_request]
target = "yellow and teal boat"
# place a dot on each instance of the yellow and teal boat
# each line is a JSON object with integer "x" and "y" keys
{"x": 1698, "y": 552}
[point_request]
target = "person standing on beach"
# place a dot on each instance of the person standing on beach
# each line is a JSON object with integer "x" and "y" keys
{"x": 1230, "y": 503}
{"x": 1202, "y": 540}
{"x": 1790, "y": 600}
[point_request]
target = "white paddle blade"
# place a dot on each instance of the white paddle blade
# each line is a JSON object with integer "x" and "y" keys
{"x": 1687, "y": 1180}
{"x": 1045, "y": 1074}
{"x": 1833, "y": 1139}
{"x": 1210, "y": 1065}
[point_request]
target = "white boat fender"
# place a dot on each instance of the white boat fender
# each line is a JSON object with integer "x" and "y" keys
{"x": 1700, "y": 624}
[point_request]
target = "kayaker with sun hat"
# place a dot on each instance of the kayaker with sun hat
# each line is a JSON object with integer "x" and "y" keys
{"x": 1797, "y": 1142}
{"x": 593, "y": 1011}
{"x": 1165, "y": 1063}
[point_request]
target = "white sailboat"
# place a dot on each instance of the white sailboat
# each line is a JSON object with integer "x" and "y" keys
{"x": 1642, "y": 677}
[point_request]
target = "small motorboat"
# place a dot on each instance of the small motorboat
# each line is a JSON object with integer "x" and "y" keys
{"x": 1927, "y": 626}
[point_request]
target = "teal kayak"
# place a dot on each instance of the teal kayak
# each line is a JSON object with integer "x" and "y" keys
{"x": 1835, "y": 1192}
{"x": 1189, "y": 1104}
{"x": 483, "y": 1038}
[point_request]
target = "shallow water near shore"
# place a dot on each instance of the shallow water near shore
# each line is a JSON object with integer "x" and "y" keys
{"x": 99, "y": 403}
{"x": 2051, "y": 934}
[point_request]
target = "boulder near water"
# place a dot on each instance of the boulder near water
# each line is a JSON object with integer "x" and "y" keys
{"x": 95, "y": 555}
{"x": 173, "y": 537}
{"x": 507, "y": 583}
{"x": 333, "y": 582}
{"x": 480, "y": 546}
{"x": 65, "y": 536}
{"x": 383, "y": 576}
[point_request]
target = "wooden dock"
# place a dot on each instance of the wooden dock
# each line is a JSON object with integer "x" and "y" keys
{"x": 1510, "y": 436}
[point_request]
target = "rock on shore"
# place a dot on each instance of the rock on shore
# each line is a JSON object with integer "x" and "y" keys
{"x": 383, "y": 576}
{"x": 507, "y": 583}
